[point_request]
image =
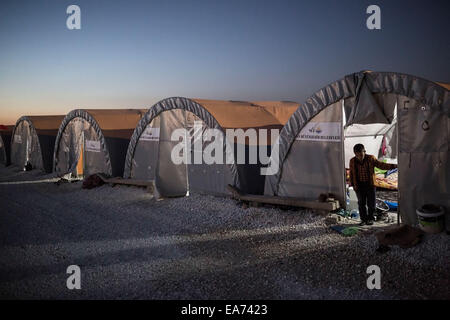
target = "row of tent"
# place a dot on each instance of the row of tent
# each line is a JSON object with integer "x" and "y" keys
{"x": 409, "y": 114}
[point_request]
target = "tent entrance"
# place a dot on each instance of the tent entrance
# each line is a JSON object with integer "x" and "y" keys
{"x": 175, "y": 157}
{"x": 381, "y": 141}
{"x": 79, "y": 169}
{"x": 171, "y": 179}
{"x": 80, "y": 164}
{"x": 28, "y": 147}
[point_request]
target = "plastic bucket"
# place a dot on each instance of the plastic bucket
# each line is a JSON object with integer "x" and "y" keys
{"x": 431, "y": 218}
{"x": 353, "y": 200}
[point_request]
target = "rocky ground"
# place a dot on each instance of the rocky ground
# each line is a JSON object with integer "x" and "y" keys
{"x": 130, "y": 246}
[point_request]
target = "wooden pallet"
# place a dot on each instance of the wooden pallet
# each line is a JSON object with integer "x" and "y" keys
{"x": 149, "y": 184}
{"x": 286, "y": 201}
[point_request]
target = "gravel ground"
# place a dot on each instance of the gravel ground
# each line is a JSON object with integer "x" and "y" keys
{"x": 130, "y": 246}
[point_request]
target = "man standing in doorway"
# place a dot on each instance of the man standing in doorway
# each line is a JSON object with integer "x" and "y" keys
{"x": 362, "y": 178}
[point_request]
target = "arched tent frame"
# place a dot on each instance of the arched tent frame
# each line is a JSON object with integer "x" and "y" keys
{"x": 172, "y": 104}
{"x": 112, "y": 128}
{"x": 352, "y": 87}
{"x": 41, "y": 127}
{"x": 83, "y": 114}
{"x": 32, "y": 132}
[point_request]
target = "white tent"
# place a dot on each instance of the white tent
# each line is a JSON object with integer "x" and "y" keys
{"x": 310, "y": 154}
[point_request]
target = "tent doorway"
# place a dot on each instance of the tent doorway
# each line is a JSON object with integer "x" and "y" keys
{"x": 79, "y": 171}
{"x": 170, "y": 152}
{"x": 381, "y": 141}
{"x": 175, "y": 178}
{"x": 171, "y": 178}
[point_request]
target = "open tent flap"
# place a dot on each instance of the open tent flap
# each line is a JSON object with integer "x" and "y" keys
{"x": 76, "y": 132}
{"x": 390, "y": 150}
{"x": 171, "y": 178}
{"x": 69, "y": 148}
{"x": 105, "y": 135}
{"x": 369, "y": 106}
{"x": 314, "y": 164}
{"x": 388, "y": 103}
{"x": 364, "y": 108}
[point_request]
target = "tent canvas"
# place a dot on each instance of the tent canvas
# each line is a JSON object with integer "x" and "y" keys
{"x": 423, "y": 122}
{"x": 33, "y": 141}
{"x": 99, "y": 137}
{"x": 151, "y": 145}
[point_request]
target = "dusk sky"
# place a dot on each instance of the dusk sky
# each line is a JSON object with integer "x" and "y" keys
{"x": 131, "y": 54}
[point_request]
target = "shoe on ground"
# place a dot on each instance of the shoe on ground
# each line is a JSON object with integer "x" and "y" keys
{"x": 369, "y": 223}
{"x": 363, "y": 223}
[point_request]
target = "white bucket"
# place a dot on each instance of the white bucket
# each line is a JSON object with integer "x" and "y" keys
{"x": 431, "y": 218}
{"x": 353, "y": 200}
